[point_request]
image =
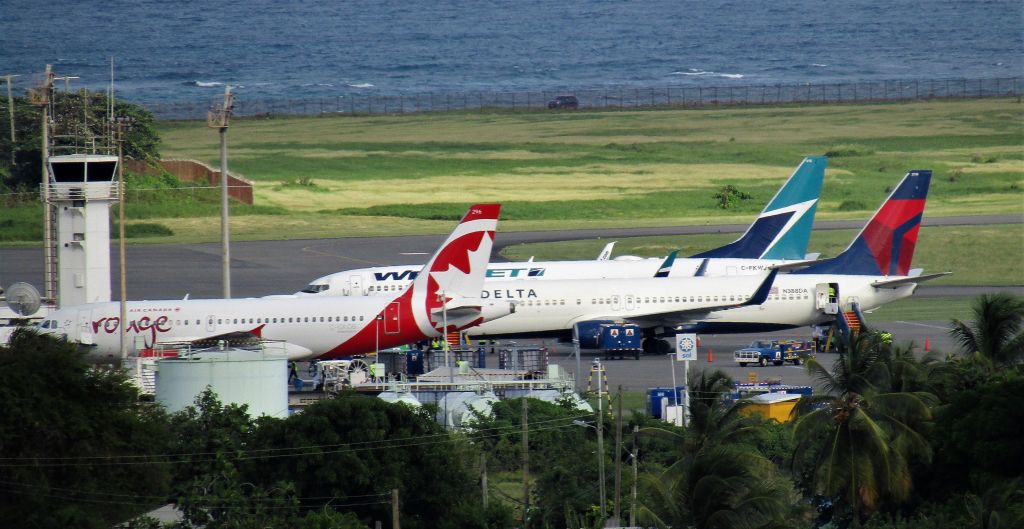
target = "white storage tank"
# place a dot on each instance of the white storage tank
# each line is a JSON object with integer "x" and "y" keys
{"x": 459, "y": 409}
{"x": 400, "y": 397}
{"x": 237, "y": 376}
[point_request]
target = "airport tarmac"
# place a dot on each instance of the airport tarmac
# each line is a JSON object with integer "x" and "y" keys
{"x": 259, "y": 268}
{"x": 656, "y": 370}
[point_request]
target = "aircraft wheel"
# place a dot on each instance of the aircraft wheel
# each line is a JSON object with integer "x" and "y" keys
{"x": 663, "y": 347}
{"x": 649, "y": 346}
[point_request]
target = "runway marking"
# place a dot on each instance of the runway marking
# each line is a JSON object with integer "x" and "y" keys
{"x": 413, "y": 253}
{"x": 922, "y": 324}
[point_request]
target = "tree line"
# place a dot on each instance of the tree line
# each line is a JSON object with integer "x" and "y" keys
{"x": 893, "y": 439}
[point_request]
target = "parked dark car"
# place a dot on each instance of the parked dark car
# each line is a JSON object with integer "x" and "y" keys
{"x": 564, "y": 102}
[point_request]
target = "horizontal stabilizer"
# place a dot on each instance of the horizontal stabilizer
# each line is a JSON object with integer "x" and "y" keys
{"x": 895, "y": 283}
{"x": 792, "y": 265}
{"x": 761, "y": 295}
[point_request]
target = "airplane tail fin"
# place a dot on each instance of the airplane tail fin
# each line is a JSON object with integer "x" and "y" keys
{"x": 885, "y": 246}
{"x": 783, "y": 228}
{"x": 458, "y": 267}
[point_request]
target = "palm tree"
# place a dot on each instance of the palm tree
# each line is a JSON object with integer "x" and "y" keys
{"x": 997, "y": 332}
{"x": 865, "y": 433}
{"x": 718, "y": 479}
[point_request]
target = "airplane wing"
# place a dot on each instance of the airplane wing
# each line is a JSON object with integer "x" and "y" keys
{"x": 250, "y": 338}
{"x": 895, "y": 283}
{"x": 673, "y": 318}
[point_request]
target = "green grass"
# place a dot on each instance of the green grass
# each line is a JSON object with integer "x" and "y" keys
{"x": 376, "y": 175}
{"x": 938, "y": 309}
{"x": 977, "y": 255}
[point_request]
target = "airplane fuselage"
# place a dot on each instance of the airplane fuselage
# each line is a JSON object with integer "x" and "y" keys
{"x": 390, "y": 279}
{"x": 324, "y": 327}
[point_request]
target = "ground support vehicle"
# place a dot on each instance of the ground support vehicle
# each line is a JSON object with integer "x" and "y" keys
{"x": 777, "y": 352}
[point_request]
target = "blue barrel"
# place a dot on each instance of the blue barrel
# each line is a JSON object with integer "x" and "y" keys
{"x": 654, "y": 396}
{"x": 481, "y": 358}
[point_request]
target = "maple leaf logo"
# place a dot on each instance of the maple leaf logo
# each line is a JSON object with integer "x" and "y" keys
{"x": 453, "y": 280}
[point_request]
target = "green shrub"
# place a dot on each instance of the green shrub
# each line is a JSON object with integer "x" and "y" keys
{"x": 852, "y": 205}
{"x": 146, "y": 229}
{"x": 839, "y": 151}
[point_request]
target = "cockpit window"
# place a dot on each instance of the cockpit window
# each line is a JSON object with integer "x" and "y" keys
{"x": 314, "y": 288}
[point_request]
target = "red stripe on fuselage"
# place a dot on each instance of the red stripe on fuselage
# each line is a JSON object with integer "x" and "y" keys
{"x": 372, "y": 335}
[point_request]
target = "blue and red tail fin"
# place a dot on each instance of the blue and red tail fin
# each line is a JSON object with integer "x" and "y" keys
{"x": 885, "y": 247}
{"x": 783, "y": 228}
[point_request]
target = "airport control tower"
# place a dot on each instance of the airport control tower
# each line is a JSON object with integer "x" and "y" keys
{"x": 82, "y": 187}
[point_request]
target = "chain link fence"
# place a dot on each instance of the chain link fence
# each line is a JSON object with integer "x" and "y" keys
{"x": 613, "y": 98}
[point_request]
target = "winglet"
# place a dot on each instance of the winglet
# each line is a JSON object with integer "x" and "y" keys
{"x": 761, "y": 294}
{"x": 702, "y": 270}
{"x": 606, "y": 253}
{"x": 783, "y": 228}
{"x": 885, "y": 247}
{"x": 666, "y": 267}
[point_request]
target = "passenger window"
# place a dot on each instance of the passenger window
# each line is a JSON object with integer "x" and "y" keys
{"x": 218, "y": 321}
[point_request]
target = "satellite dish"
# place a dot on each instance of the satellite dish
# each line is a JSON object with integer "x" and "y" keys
{"x": 23, "y": 299}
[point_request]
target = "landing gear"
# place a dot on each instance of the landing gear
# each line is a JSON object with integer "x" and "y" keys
{"x": 656, "y": 346}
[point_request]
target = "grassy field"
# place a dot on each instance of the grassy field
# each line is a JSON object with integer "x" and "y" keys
{"x": 977, "y": 255}
{"x": 340, "y": 176}
{"x": 660, "y": 165}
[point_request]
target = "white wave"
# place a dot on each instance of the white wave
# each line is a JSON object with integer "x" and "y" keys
{"x": 704, "y": 73}
{"x": 818, "y": 64}
{"x": 361, "y": 85}
{"x": 207, "y": 84}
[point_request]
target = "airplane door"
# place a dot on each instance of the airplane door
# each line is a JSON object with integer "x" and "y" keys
{"x": 629, "y": 302}
{"x": 356, "y": 284}
{"x": 392, "y": 324}
{"x": 851, "y": 301}
{"x": 821, "y": 296}
{"x": 211, "y": 323}
{"x": 85, "y": 334}
{"x": 616, "y": 302}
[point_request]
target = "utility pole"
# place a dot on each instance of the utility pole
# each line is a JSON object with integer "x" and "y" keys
{"x": 633, "y": 456}
{"x": 526, "y": 459}
{"x": 600, "y": 452}
{"x": 123, "y": 125}
{"x": 43, "y": 96}
{"x": 483, "y": 477}
{"x": 218, "y": 118}
{"x": 618, "y": 460}
{"x": 394, "y": 509}
{"x": 10, "y": 112}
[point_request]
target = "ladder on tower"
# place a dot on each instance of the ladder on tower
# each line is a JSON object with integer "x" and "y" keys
{"x": 50, "y": 265}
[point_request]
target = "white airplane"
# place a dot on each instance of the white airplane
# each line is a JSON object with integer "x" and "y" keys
{"x": 446, "y": 292}
{"x": 779, "y": 235}
{"x": 873, "y": 270}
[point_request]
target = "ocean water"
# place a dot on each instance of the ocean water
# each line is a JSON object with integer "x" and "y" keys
{"x": 268, "y": 49}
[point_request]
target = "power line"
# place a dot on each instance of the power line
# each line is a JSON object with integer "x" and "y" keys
{"x": 246, "y": 455}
